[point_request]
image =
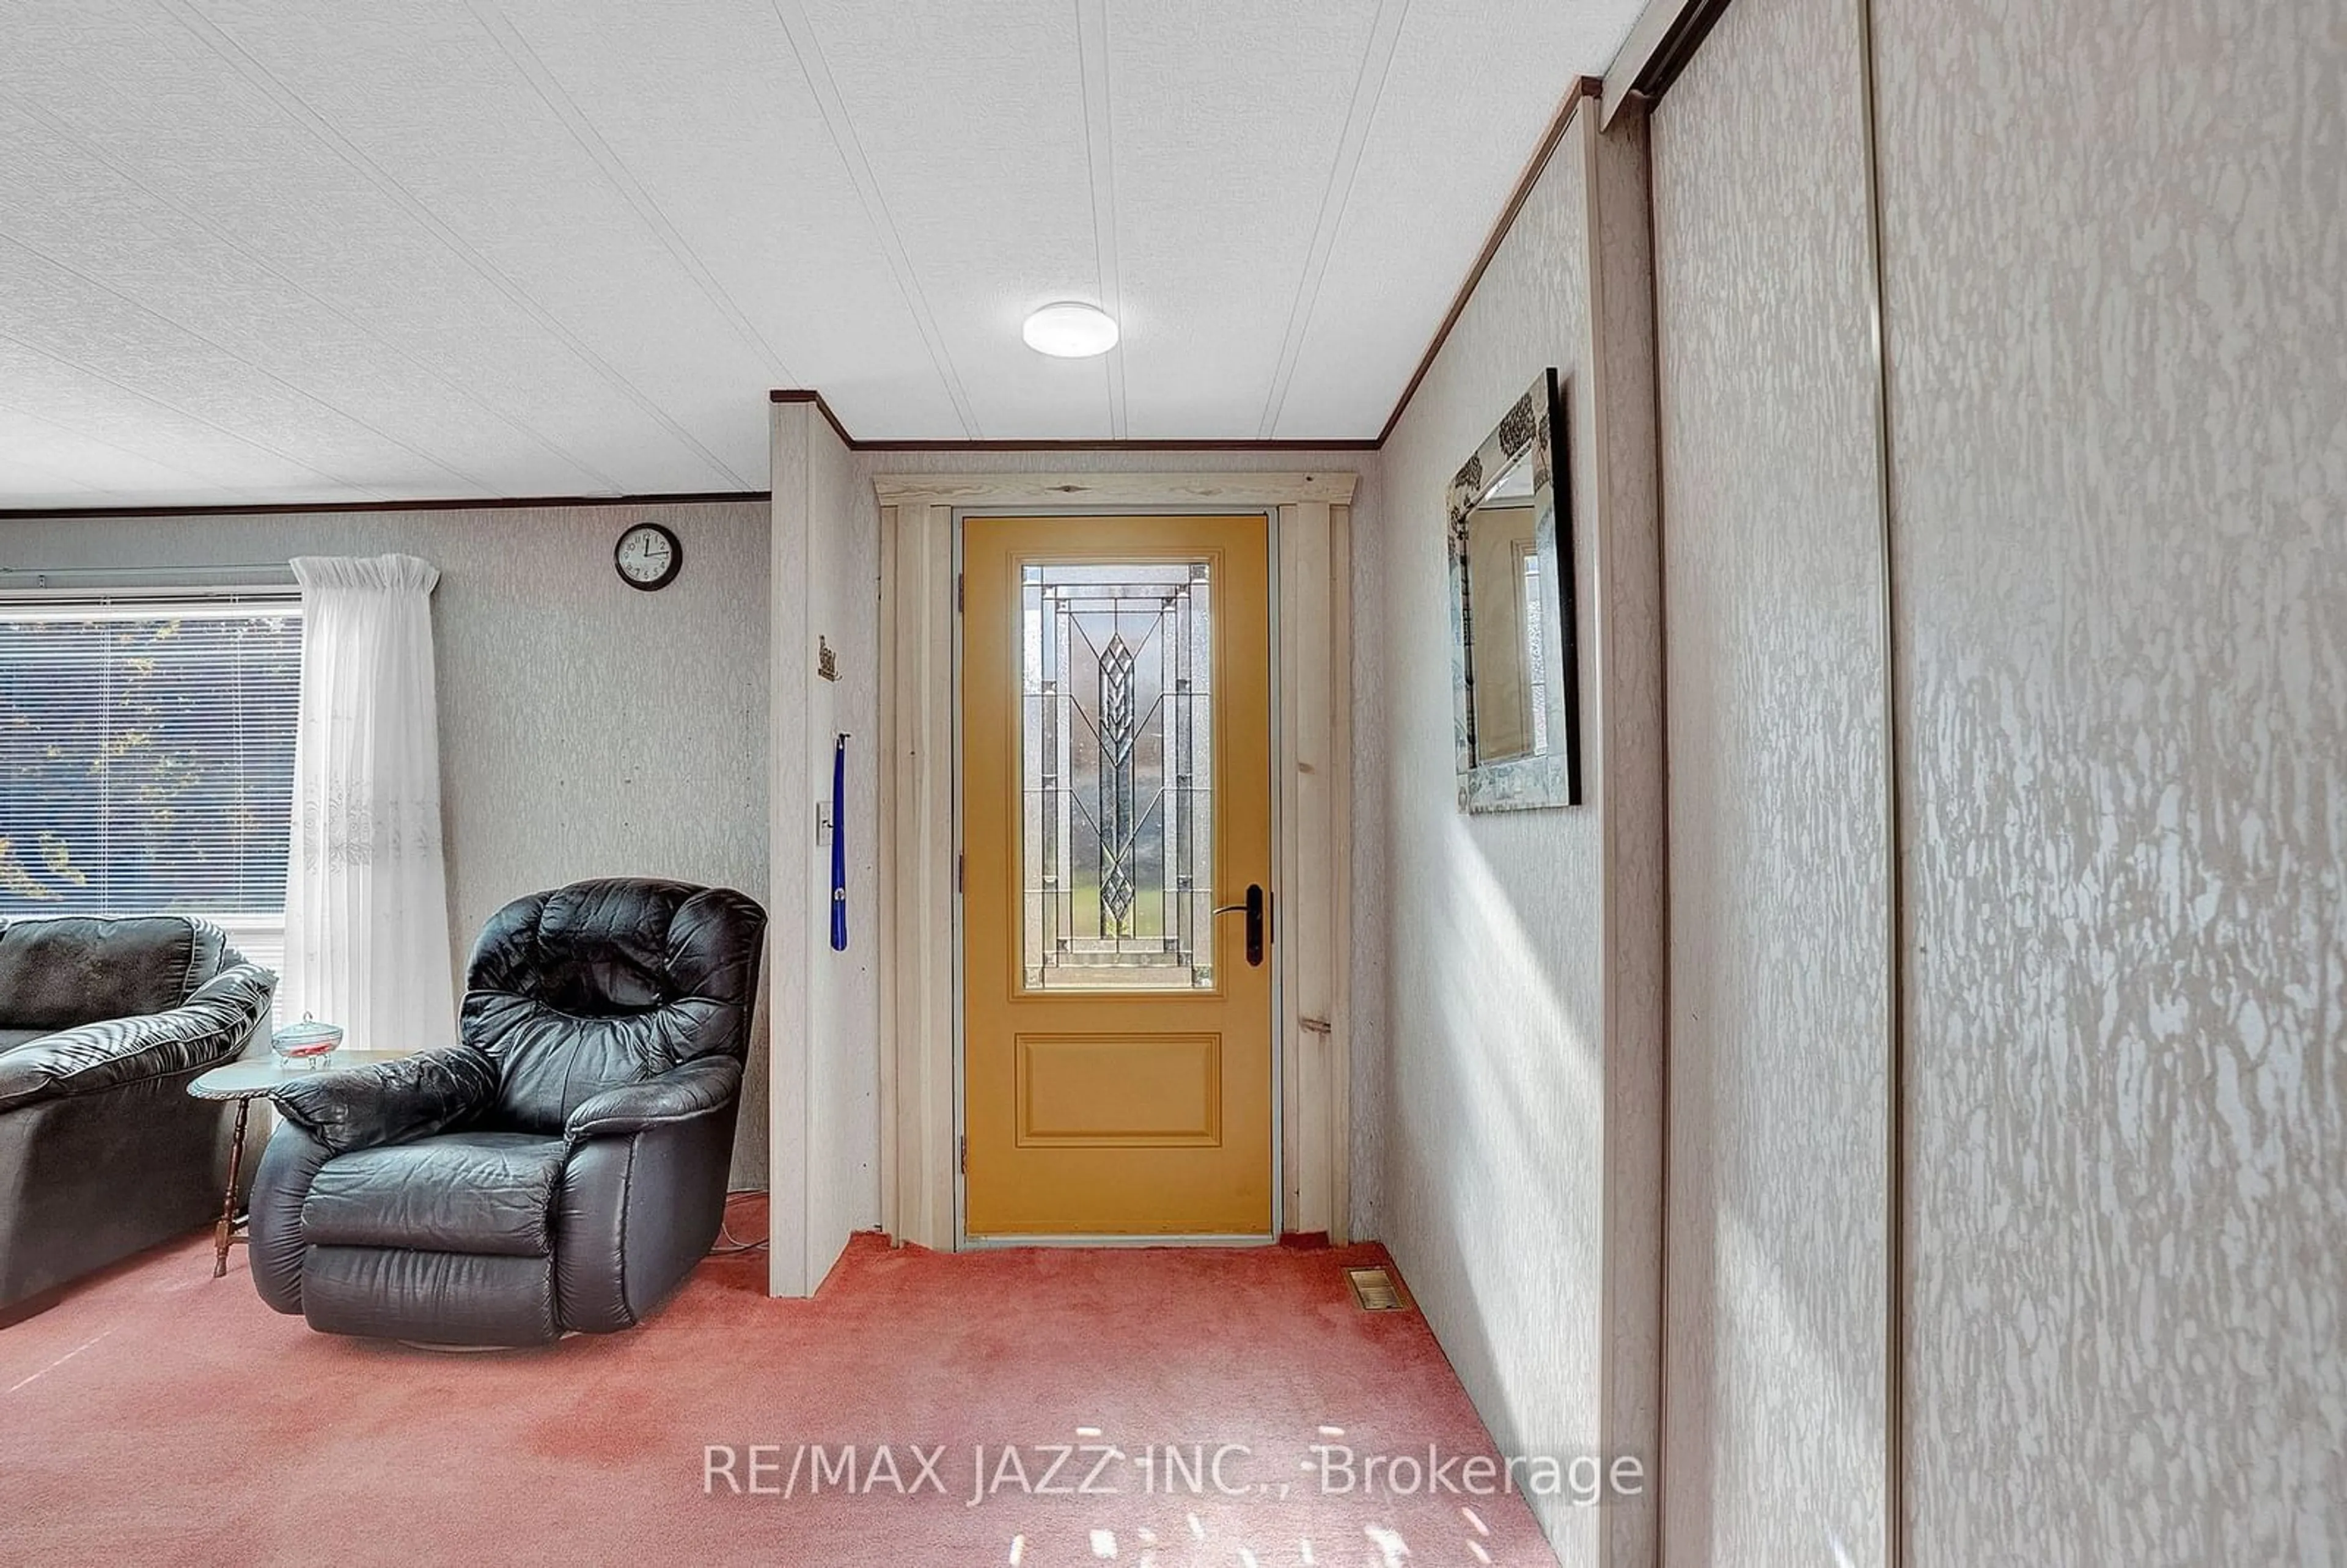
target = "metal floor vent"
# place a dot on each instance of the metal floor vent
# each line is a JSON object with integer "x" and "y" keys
{"x": 1374, "y": 1289}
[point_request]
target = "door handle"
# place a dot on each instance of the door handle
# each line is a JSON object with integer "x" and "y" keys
{"x": 1257, "y": 911}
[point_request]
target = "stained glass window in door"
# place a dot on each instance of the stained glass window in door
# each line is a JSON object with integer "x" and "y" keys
{"x": 1117, "y": 832}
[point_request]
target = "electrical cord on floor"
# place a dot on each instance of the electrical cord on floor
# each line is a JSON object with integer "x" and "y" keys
{"x": 732, "y": 1244}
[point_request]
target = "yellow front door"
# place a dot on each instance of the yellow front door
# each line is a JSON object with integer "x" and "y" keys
{"x": 1116, "y": 792}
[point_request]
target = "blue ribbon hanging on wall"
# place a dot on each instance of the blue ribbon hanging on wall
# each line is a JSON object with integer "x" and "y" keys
{"x": 839, "y": 844}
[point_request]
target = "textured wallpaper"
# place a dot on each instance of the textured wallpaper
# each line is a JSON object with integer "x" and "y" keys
{"x": 1494, "y": 1116}
{"x": 2117, "y": 238}
{"x": 1779, "y": 1153}
{"x": 586, "y": 729}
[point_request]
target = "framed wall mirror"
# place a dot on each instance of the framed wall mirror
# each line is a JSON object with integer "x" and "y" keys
{"x": 1515, "y": 666}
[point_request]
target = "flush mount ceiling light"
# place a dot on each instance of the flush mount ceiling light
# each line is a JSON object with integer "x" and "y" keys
{"x": 1070, "y": 330}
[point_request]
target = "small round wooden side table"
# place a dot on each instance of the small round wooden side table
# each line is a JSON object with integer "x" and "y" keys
{"x": 244, "y": 1081}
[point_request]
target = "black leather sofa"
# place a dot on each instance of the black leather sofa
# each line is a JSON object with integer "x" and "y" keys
{"x": 103, "y": 1024}
{"x": 562, "y": 1167}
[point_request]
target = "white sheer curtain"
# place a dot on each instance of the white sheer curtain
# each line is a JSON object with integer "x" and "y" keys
{"x": 366, "y": 904}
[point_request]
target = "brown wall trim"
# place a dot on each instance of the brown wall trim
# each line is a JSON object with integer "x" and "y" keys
{"x": 802, "y": 394}
{"x": 1592, "y": 89}
{"x": 808, "y": 394}
{"x": 1898, "y": 1277}
{"x": 1347, "y": 446}
{"x": 294, "y": 509}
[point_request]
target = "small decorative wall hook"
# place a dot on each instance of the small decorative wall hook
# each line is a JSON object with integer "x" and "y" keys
{"x": 826, "y": 664}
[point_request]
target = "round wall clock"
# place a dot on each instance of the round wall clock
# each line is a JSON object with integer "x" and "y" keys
{"x": 648, "y": 557}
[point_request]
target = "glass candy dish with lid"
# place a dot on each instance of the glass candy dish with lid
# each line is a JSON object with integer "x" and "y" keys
{"x": 307, "y": 1043}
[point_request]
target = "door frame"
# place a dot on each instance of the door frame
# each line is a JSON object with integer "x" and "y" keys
{"x": 963, "y": 517}
{"x": 918, "y": 928}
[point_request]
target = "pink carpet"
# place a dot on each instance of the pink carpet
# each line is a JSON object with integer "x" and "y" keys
{"x": 156, "y": 1414}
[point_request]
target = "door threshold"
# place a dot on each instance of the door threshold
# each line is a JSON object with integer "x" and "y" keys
{"x": 989, "y": 1243}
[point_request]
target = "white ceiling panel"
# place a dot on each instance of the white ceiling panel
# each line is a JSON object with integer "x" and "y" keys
{"x": 184, "y": 278}
{"x": 87, "y": 409}
{"x": 1453, "y": 130}
{"x": 703, "y": 109}
{"x": 293, "y": 250}
{"x": 422, "y": 96}
{"x": 43, "y": 485}
{"x": 46, "y": 311}
{"x": 970, "y": 116}
{"x": 1217, "y": 170}
{"x": 134, "y": 474}
{"x": 267, "y": 170}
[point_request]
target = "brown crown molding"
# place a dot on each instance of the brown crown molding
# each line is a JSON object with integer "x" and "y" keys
{"x": 808, "y": 394}
{"x": 293, "y": 509}
{"x": 1350, "y": 445}
{"x": 805, "y": 395}
{"x": 1584, "y": 88}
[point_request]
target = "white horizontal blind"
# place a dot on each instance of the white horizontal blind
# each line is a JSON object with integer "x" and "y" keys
{"x": 147, "y": 757}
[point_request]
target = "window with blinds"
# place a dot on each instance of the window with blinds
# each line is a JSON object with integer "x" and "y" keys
{"x": 146, "y": 758}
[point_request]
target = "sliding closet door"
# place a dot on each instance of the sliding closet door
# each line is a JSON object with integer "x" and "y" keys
{"x": 2120, "y": 414}
{"x": 1776, "y": 1384}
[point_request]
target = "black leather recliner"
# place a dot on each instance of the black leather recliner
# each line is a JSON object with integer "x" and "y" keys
{"x": 562, "y": 1168}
